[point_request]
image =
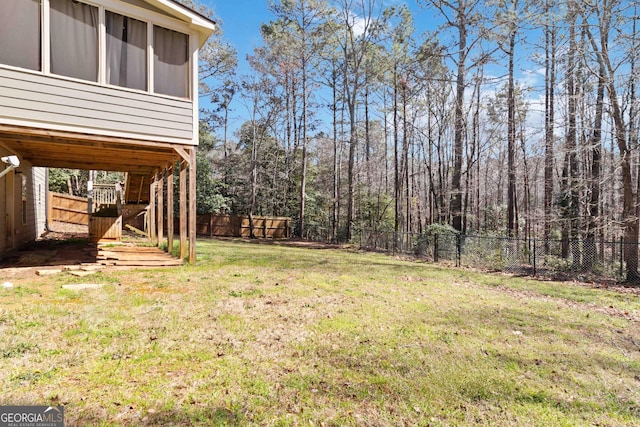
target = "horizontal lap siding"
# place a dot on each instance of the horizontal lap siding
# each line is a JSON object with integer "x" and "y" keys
{"x": 32, "y": 224}
{"x": 38, "y": 187}
{"x": 88, "y": 108}
{"x": 3, "y": 210}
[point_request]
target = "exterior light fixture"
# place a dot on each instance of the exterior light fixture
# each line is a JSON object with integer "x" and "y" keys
{"x": 13, "y": 163}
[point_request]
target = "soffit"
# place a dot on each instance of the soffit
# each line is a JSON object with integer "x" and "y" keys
{"x": 56, "y": 149}
{"x": 204, "y": 25}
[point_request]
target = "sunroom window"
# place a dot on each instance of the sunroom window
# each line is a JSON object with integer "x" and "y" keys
{"x": 74, "y": 39}
{"x": 170, "y": 62}
{"x": 20, "y": 33}
{"x": 75, "y": 48}
{"x": 126, "y": 51}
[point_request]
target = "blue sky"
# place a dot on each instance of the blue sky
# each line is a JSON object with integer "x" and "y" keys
{"x": 241, "y": 21}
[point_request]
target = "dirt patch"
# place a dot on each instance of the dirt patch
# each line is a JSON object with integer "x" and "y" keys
{"x": 296, "y": 243}
{"x": 610, "y": 310}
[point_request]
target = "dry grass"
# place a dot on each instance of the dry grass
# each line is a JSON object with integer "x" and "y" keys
{"x": 274, "y": 335}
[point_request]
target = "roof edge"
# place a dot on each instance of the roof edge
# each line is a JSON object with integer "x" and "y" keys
{"x": 205, "y": 25}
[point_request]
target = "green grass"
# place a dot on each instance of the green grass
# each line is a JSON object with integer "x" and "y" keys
{"x": 258, "y": 334}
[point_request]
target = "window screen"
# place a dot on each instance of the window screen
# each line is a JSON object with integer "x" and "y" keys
{"x": 74, "y": 39}
{"x": 20, "y": 33}
{"x": 171, "y": 62}
{"x": 24, "y": 199}
{"x": 126, "y": 51}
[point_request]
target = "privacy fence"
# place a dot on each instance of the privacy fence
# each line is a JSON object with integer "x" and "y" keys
{"x": 575, "y": 259}
{"x": 240, "y": 226}
{"x": 66, "y": 208}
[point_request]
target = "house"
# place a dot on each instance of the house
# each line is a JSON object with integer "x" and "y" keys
{"x": 98, "y": 85}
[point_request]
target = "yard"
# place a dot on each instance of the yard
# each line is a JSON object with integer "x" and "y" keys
{"x": 267, "y": 334}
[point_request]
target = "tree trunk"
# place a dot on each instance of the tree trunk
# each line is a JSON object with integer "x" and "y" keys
{"x": 630, "y": 249}
{"x": 550, "y": 75}
{"x": 595, "y": 144}
{"x": 511, "y": 143}
{"x": 459, "y": 125}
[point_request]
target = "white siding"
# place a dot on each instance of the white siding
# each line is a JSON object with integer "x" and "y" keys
{"x": 33, "y": 99}
{"x": 39, "y": 188}
{"x": 35, "y": 213}
{"x": 3, "y": 212}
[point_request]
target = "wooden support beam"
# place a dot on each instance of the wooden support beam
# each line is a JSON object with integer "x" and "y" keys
{"x": 49, "y": 207}
{"x": 192, "y": 207}
{"x": 152, "y": 210}
{"x": 10, "y": 195}
{"x": 183, "y": 210}
{"x": 160, "y": 191}
{"x": 182, "y": 153}
{"x": 170, "y": 173}
{"x": 140, "y": 190}
{"x": 127, "y": 186}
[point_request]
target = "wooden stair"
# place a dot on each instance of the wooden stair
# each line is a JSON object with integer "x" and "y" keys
{"x": 133, "y": 256}
{"x": 136, "y": 189}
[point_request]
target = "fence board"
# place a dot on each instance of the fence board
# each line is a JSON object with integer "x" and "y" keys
{"x": 238, "y": 226}
{"x": 105, "y": 229}
{"x": 69, "y": 209}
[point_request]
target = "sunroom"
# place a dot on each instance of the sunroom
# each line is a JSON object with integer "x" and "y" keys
{"x": 103, "y": 85}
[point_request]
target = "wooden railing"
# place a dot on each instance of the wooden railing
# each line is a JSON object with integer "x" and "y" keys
{"x": 106, "y": 195}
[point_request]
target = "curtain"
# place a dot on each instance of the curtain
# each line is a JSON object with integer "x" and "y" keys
{"x": 74, "y": 39}
{"x": 20, "y": 33}
{"x": 171, "y": 62}
{"x": 126, "y": 51}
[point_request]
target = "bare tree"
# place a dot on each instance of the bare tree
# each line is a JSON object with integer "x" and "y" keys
{"x": 604, "y": 12}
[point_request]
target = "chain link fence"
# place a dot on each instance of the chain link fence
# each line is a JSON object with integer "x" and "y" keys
{"x": 567, "y": 259}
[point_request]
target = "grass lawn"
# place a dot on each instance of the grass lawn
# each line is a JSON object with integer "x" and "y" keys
{"x": 260, "y": 334}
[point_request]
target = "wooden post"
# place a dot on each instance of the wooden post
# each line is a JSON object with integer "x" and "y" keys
{"x": 192, "y": 207}
{"x": 183, "y": 209}
{"x": 170, "y": 173}
{"x": 140, "y": 189}
{"x": 10, "y": 195}
{"x": 160, "y": 191}
{"x": 152, "y": 210}
{"x": 49, "y": 207}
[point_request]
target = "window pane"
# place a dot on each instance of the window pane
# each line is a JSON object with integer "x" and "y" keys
{"x": 20, "y": 33}
{"x": 74, "y": 39}
{"x": 171, "y": 62}
{"x": 126, "y": 51}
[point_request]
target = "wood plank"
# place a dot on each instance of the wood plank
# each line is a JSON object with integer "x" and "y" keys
{"x": 100, "y": 141}
{"x": 132, "y": 249}
{"x": 135, "y": 230}
{"x": 192, "y": 207}
{"x": 164, "y": 263}
{"x": 170, "y": 174}
{"x": 152, "y": 225}
{"x": 183, "y": 209}
{"x": 160, "y": 217}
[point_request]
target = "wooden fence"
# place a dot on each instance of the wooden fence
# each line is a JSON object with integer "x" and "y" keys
{"x": 66, "y": 208}
{"x": 238, "y": 226}
{"x": 71, "y": 209}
